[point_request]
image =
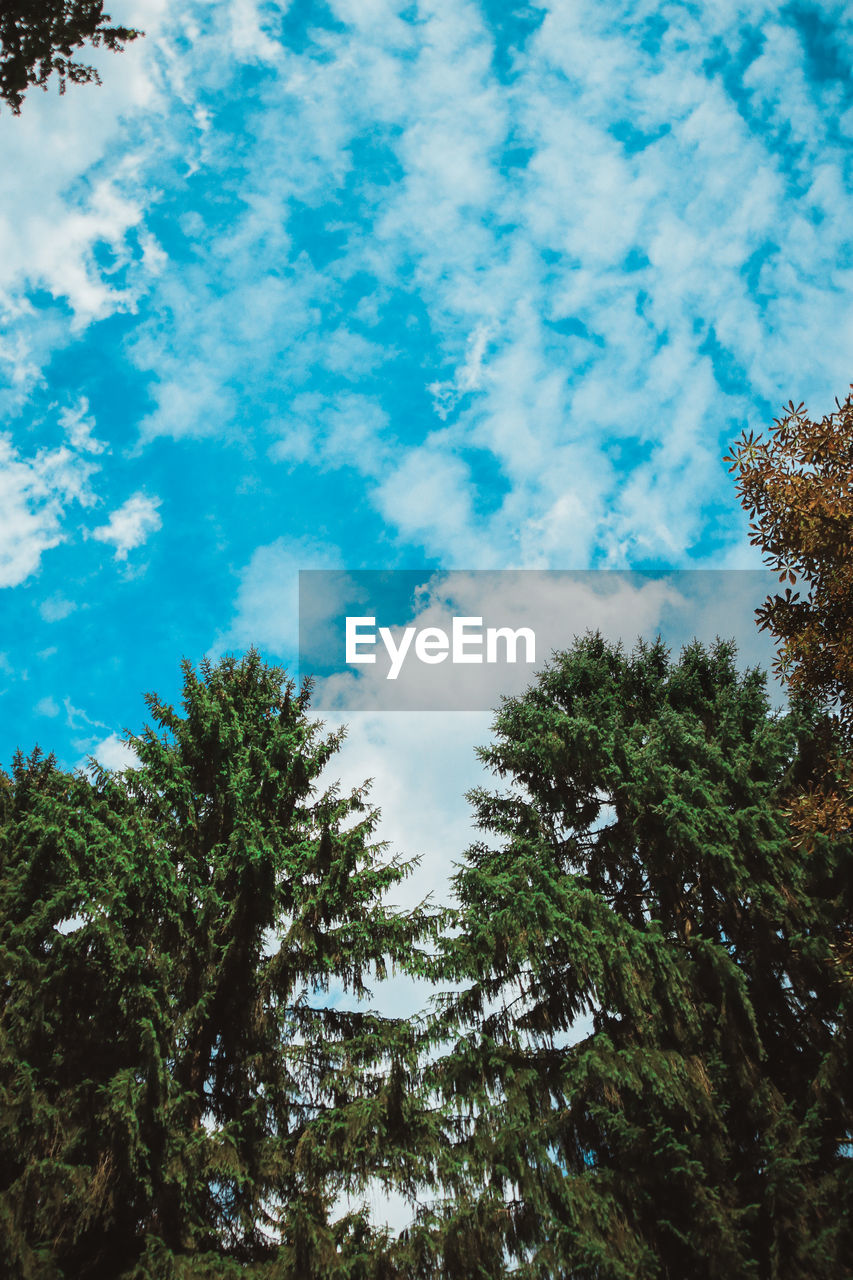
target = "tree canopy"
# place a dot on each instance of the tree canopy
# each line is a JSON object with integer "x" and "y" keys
{"x": 180, "y": 1094}
{"x": 40, "y": 37}
{"x": 797, "y": 486}
{"x": 644, "y": 1072}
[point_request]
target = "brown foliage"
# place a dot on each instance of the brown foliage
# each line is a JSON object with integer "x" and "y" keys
{"x": 797, "y": 486}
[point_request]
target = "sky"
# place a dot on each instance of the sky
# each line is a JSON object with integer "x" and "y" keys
{"x": 451, "y": 285}
{"x": 445, "y": 285}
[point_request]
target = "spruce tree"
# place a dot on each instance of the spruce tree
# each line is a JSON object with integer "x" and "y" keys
{"x": 637, "y": 1074}
{"x": 82, "y": 1038}
{"x": 182, "y": 1092}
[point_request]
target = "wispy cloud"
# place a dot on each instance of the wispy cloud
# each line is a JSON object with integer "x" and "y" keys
{"x": 583, "y": 270}
{"x": 35, "y": 493}
{"x": 56, "y": 607}
{"x": 78, "y": 425}
{"x": 73, "y": 203}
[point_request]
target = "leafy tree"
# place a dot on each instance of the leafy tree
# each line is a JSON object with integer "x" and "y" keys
{"x": 797, "y": 486}
{"x": 642, "y": 1070}
{"x": 180, "y": 1096}
{"x": 39, "y": 37}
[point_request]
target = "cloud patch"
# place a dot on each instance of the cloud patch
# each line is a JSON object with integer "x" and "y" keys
{"x": 35, "y": 494}
{"x": 130, "y": 525}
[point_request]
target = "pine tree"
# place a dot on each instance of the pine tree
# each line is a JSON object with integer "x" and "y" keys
{"x": 638, "y": 1069}
{"x": 182, "y": 1095}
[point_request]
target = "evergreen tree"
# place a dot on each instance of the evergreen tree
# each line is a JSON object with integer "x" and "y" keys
{"x": 81, "y": 1029}
{"x": 180, "y": 1094}
{"x": 39, "y": 37}
{"x": 640, "y": 1076}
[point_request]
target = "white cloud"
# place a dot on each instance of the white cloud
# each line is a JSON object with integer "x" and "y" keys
{"x": 78, "y": 425}
{"x": 74, "y": 193}
{"x": 113, "y": 753}
{"x": 614, "y": 250}
{"x": 335, "y": 431}
{"x": 468, "y": 377}
{"x": 698, "y": 188}
{"x": 35, "y": 493}
{"x": 77, "y": 718}
{"x": 130, "y": 525}
{"x": 56, "y": 607}
{"x": 267, "y": 603}
{"x": 427, "y": 498}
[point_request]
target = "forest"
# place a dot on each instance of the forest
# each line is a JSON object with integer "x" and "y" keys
{"x": 664, "y": 855}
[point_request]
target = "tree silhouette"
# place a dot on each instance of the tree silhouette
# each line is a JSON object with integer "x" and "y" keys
{"x": 40, "y": 37}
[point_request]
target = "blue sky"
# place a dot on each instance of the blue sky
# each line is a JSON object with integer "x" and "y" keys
{"x": 457, "y": 284}
{"x": 365, "y": 284}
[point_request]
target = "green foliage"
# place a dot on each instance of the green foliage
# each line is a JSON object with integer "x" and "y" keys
{"x": 645, "y": 883}
{"x": 39, "y": 37}
{"x": 640, "y": 1073}
{"x": 180, "y": 1097}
